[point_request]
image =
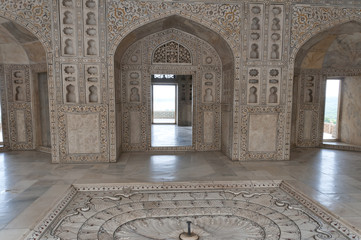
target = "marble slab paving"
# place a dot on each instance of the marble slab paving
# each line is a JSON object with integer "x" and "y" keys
{"x": 217, "y": 210}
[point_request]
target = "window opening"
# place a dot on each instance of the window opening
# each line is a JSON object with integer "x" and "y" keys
{"x": 331, "y": 117}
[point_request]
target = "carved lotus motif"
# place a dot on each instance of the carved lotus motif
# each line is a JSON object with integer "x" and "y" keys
{"x": 91, "y": 31}
{"x": 134, "y": 58}
{"x": 18, "y": 74}
{"x": 254, "y": 36}
{"x": 92, "y": 70}
{"x": 69, "y": 70}
{"x": 18, "y": 81}
{"x": 276, "y": 10}
{"x": 68, "y": 31}
{"x": 253, "y": 72}
{"x": 275, "y": 36}
{"x": 68, "y": 3}
{"x": 274, "y": 72}
{"x": 70, "y": 79}
{"x": 90, "y": 4}
{"x": 92, "y": 79}
{"x": 209, "y": 60}
{"x": 134, "y": 75}
{"x": 256, "y": 10}
{"x": 208, "y": 76}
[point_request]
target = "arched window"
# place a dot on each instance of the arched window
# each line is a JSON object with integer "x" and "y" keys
{"x": 172, "y": 52}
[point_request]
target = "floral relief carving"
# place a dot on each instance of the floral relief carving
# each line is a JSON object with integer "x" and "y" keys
{"x": 262, "y": 210}
{"x": 101, "y": 110}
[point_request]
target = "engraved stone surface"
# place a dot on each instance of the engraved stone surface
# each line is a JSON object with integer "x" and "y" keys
{"x": 83, "y": 133}
{"x": 263, "y": 132}
{"x": 227, "y": 211}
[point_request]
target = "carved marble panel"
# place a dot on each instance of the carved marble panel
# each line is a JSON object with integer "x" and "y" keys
{"x": 273, "y": 93}
{"x": 255, "y": 33}
{"x": 91, "y": 23}
{"x": 83, "y": 133}
{"x": 253, "y": 83}
{"x": 262, "y": 132}
{"x": 70, "y": 83}
{"x": 276, "y": 22}
{"x": 20, "y": 126}
{"x": 92, "y": 84}
{"x": 68, "y": 27}
{"x": 208, "y": 121}
{"x": 20, "y": 123}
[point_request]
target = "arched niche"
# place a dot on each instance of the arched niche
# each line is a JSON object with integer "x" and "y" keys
{"x": 333, "y": 53}
{"x": 210, "y": 54}
{"x": 24, "y": 89}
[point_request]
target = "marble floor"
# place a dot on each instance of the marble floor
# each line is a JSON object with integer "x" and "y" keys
{"x": 30, "y": 185}
{"x": 171, "y": 135}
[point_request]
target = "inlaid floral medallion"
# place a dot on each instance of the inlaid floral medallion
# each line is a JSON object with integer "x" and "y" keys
{"x": 215, "y": 210}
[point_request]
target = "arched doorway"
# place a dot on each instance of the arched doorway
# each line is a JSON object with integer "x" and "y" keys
{"x": 212, "y": 72}
{"x": 24, "y": 89}
{"x": 328, "y": 56}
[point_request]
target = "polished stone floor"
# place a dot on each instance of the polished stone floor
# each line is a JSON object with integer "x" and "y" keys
{"x": 30, "y": 185}
{"x": 171, "y": 135}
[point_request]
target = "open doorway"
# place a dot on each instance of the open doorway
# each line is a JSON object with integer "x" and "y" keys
{"x": 332, "y": 108}
{"x": 172, "y": 110}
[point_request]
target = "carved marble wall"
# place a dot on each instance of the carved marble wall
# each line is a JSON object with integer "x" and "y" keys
{"x": 332, "y": 54}
{"x": 80, "y": 39}
{"x": 350, "y": 122}
{"x": 170, "y": 52}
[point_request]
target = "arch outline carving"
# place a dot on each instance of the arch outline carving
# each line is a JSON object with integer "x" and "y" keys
{"x": 40, "y": 15}
{"x": 137, "y": 68}
{"x": 303, "y": 30}
{"x": 116, "y": 41}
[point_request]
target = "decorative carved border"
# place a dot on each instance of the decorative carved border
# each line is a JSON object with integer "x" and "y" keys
{"x": 102, "y": 110}
{"x": 14, "y": 144}
{"x": 279, "y": 153}
{"x": 304, "y": 200}
{"x": 119, "y": 13}
{"x": 142, "y": 53}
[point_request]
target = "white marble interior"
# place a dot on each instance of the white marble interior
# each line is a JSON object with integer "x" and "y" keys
{"x": 31, "y": 184}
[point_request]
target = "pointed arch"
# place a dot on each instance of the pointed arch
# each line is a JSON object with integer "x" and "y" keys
{"x": 180, "y": 21}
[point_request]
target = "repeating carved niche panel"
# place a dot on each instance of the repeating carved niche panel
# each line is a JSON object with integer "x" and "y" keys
{"x": 254, "y": 79}
{"x": 255, "y": 33}
{"x": 92, "y": 84}
{"x": 276, "y": 16}
{"x": 20, "y": 123}
{"x": 170, "y": 52}
{"x": 91, "y": 22}
{"x": 68, "y": 20}
{"x": 309, "y": 109}
{"x": 273, "y": 86}
{"x": 70, "y": 83}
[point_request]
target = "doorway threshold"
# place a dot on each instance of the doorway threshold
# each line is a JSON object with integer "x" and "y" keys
{"x": 341, "y": 146}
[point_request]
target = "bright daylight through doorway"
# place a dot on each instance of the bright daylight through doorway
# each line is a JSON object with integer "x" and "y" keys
{"x": 171, "y": 111}
{"x": 330, "y": 127}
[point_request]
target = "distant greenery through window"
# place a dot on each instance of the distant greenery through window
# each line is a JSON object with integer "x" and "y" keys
{"x": 331, "y": 109}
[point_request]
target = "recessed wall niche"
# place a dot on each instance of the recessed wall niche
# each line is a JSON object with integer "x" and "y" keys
{"x": 92, "y": 84}
{"x": 70, "y": 84}
{"x": 19, "y": 85}
{"x": 255, "y": 32}
{"x": 68, "y": 27}
{"x": 273, "y": 93}
{"x": 276, "y": 16}
{"x": 253, "y": 89}
{"x": 90, "y": 23}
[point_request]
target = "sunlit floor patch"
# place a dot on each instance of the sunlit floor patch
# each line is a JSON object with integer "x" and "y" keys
{"x": 216, "y": 210}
